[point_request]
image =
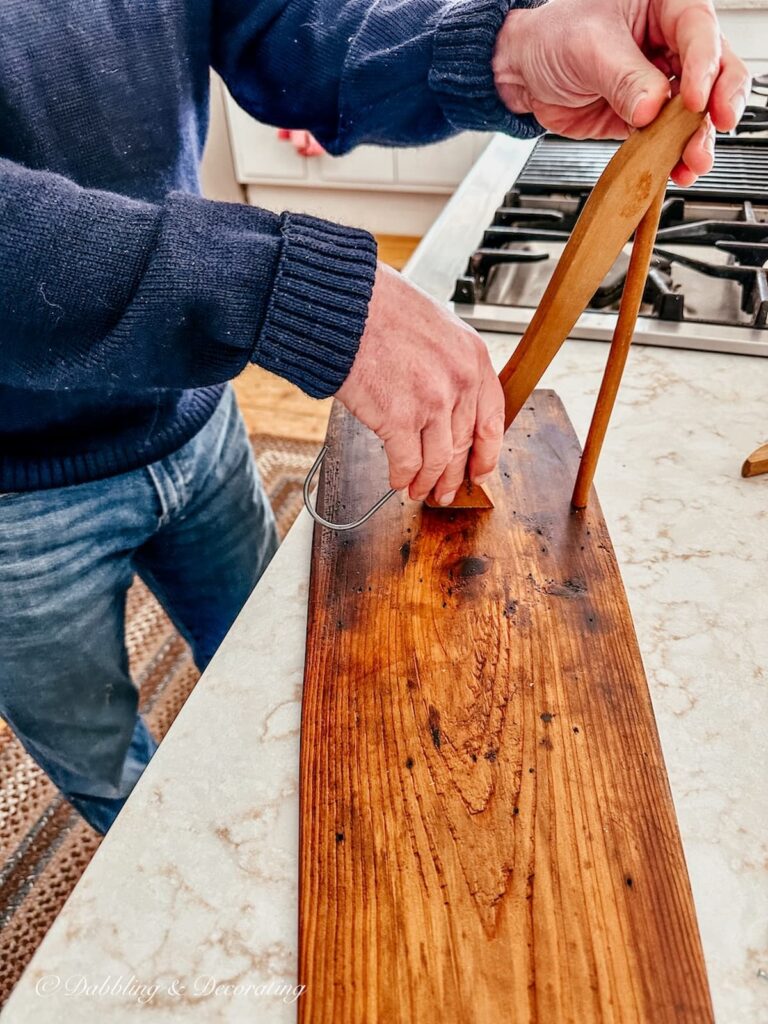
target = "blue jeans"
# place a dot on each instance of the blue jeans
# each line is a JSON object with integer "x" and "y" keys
{"x": 198, "y": 529}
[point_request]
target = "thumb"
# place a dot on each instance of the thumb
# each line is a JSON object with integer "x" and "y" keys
{"x": 633, "y": 87}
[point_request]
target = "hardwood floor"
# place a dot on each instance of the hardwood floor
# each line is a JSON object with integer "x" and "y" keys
{"x": 271, "y": 405}
{"x": 396, "y": 250}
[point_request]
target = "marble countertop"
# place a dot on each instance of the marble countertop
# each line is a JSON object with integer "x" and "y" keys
{"x": 188, "y": 910}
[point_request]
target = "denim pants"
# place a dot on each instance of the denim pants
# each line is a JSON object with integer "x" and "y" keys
{"x": 198, "y": 529}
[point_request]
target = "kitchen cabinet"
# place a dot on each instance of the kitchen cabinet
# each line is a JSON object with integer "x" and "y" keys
{"x": 745, "y": 26}
{"x": 395, "y": 191}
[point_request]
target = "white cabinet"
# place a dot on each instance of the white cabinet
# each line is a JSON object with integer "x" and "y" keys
{"x": 258, "y": 152}
{"x": 392, "y": 191}
{"x": 441, "y": 166}
{"x": 745, "y": 26}
{"x": 260, "y": 156}
{"x": 366, "y": 165}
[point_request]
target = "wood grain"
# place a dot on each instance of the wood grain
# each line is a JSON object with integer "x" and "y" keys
{"x": 487, "y": 832}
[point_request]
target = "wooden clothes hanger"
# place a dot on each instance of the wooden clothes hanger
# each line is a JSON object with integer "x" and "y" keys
{"x": 627, "y": 198}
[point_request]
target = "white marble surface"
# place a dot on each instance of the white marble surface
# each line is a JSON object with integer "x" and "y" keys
{"x": 196, "y": 883}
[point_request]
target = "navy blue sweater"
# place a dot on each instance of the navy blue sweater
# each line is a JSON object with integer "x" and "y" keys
{"x": 126, "y": 299}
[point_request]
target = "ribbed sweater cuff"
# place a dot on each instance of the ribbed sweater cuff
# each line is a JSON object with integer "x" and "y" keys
{"x": 319, "y": 304}
{"x": 462, "y": 75}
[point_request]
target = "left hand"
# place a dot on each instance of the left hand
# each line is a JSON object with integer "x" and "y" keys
{"x": 596, "y": 68}
{"x": 303, "y": 142}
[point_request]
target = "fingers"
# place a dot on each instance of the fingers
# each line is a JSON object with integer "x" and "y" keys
{"x": 697, "y": 40}
{"x": 437, "y": 452}
{"x": 404, "y": 456}
{"x": 699, "y": 153}
{"x": 303, "y": 141}
{"x": 462, "y": 430}
{"x": 596, "y": 120}
{"x": 313, "y": 147}
{"x": 711, "y": 76}
{"x": 419, "y": 381}
{"x": 632, "y": 85}
{"x": 477, "y": 425}
{"x": 682, "y": 175}
{"x": 647, "y": 105}
{"x": 489, "y": 430}
{"x": 731, "y": 90}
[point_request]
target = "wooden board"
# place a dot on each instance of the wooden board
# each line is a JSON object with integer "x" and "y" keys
{"x": 487, "y": 831}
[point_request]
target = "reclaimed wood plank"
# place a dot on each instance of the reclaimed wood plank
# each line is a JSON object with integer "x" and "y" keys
{"x": 487, "y": 830}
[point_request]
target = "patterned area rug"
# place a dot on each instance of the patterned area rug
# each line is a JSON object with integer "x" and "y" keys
{"x": 44, "y": 844}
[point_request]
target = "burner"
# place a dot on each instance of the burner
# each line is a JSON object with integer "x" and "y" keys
{"x": 708, "y": 282}
{"x": 569, "y": 167}
{"x": 711, "y": 232}
{"x": 529, "y": 230}
{"x": 755, "y": 119}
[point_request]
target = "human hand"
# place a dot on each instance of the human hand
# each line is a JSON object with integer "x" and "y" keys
{"x": 422, "y": 380}
{"x": 595, "y": 68}
{"x": 303, "y": 142}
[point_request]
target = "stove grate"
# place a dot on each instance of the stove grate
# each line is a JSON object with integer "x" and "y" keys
{"x": 571, "y": 166}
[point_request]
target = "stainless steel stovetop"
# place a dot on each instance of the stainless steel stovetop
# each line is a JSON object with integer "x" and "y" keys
{"x": 708, "y": 286}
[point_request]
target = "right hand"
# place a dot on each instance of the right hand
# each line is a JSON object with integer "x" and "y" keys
{"x": 594, "y": 68}
{"x": 422, "y": 380}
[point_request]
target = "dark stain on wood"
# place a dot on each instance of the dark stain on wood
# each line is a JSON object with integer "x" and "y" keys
{"x": 472, "y": 565}
{"x": 434, "y": 726}
{"x": 568, "y": 588}
{"x": 637, "y": 200}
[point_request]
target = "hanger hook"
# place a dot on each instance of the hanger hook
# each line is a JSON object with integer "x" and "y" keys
{"x": 325, "y": 522}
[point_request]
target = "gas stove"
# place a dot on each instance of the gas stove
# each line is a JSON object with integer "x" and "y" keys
{"x": 708, "y": 284}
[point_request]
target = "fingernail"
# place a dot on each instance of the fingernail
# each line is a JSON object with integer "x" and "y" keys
{"x": 737, "y": 103}
{"x": 447, "y": 498}
{"x": 709, "y": 143}
{"x": 638, "y": 101}
{"x": 480, "y": 480}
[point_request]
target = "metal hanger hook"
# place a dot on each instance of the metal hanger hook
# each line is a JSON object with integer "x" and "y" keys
{"x": 325, "y": 522}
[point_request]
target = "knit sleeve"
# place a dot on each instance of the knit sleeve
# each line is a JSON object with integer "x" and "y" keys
{"x": 461, "y": 73}
{"x": 388, "y": 72}
{"x": 97, "y": 288}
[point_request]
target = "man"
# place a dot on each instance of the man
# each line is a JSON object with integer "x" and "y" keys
{"x": 127, "y": 302}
